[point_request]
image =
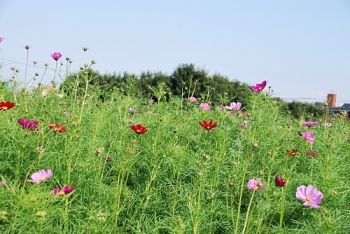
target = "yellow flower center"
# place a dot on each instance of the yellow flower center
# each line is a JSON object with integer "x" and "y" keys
{"x": 42, "y": 179}
{"x": 308, "y": 198}
{"x": 3, "y": 108}
{"x": 61, "y": 193}
{"x": 138, "y": 130}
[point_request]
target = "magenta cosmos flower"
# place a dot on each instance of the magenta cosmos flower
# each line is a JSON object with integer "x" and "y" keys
{"x": 56, "y": 55}
{"x": 1, "y": 39}
{"x": 41, "y": 176}
{"x": 204, "y": 106}
{"x": 26, "y": 123}
{"x": 310, "y": 195}
{"x": 309, "y": 124}
{"x": 280, "y": 182}
{"x": 192, "y": 99}
{"x": 259, "y": 87}
{"x": 65, "y": 190}
{"x": 308, "y": 136}
{"x": 256, "y": 184}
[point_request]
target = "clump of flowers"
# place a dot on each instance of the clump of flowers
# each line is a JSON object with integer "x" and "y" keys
{"x": 208, "y": 125}
{"x": 256, "y": 184}
{"x": 204, "y": 106}
{"x": 29, "y": 124}
{"x": 308, "y": 136}
{"x": 139, "y": 128}
{"x": 234, "y": 106}
{"x": 65, "y": 190}
{"x": 309, "y": 195}
{"x": 57, "y": 127}
{"x": 259, "y": 87}
{"x": 56, "y": 55}
{"x": 40, "y": 176}
{"x": 309, "y": 124}
{"x": 280, "y": 182}
{"x": 192, "y": 99}
{"x": 292, "y": 152}
{"x": 6, "y": 105}
{"x": 132, "y": 111}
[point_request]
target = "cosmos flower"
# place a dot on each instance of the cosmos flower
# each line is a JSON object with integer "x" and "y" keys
{"x": 1, "y": 39}
{"x": 311, "y": 153}
{"x": 28, "y": 124}
{"x": 280, "y": 182}
{"x": 40, "y": 176}
{"x": 310, "y": 195}
{"x": 309, "y": 124}
{"x": 259, "y": 87}
{"x": 132, "y": 111}
{"x": 308, "y": 136}
{"x": 256, "y": 184}
{"x": 57, "y": 127}
{"x": 208, "y": 125}
{"x": 56, "y": 55}
{"x": 204, "y": 106}
{"x": 192, "y": 99}
{"x": 292, "y": 152}
{"x": 234, "y": 106}
{"x": 65, "y": 190}
{"x": 139, "y": 128}
{"x": 6, "y": 105}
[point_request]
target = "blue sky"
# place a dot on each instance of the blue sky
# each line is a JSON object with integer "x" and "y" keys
{"x": 302, "y": 48}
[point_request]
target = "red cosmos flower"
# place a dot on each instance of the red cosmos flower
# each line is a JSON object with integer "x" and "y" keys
{"x": 139, "y": 128}
{"x": 292, "y": 152}
{"x": 280, "y": 182}
{"x": 57, "y": 128}
{"x": 208, "y": 125}
{"x": 6, "y": 105}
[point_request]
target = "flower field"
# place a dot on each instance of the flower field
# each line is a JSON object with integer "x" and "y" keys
{"x": 75, "y": 164}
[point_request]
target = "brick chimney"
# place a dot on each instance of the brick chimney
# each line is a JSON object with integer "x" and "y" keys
{"x": 331, "y": 100}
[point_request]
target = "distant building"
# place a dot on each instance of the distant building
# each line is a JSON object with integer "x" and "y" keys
{"x": 333, "y": 110}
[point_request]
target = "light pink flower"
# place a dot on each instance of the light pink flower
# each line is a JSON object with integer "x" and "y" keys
{"x": 310, "y": 195}
{"x": 256, "y": 184}
{"x": 234, "y": 106}
{"x": 204, "y": 106}
{"x": 41, "y": 176}
{"x": 56, "y": 55}
{"x": 309, "y": 124}
{"x": 1, "y": 39}
{"x": 259, "y": 87}
{"x": 192, "y": 99}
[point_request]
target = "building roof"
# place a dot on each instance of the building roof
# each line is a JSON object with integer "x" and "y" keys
{"x": 344, "y": 107}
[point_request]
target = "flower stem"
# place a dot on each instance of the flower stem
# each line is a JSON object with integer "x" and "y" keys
{"x": 247, "y": 217}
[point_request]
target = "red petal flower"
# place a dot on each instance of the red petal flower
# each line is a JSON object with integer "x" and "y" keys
{"x": 57, "y": 128}
{"x": 292, "y": 152}
{"x": 6, "y": 105}
{"x": 139, "y": 128}
{"x": 280, "y": 182}
{"x": 208, "y": 125}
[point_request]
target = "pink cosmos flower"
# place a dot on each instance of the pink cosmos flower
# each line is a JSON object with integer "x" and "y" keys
{"x": 56, "y": 55}
{"x": 26, "y": 123}
{"x": 234, "y": 106}
{"x": 65, "y": 190}
{"x": 192, "y": 99}
{"x": 204, "y": 106}
{"x": 2, "y": 183}
{"x": 41, "y": 176}
{"x": 309, "y": 124}
{"x": 256, "y": 184}
{"x": 259, "y": 87}
{"x": 308, "y": 136}
{"x": 310, "y": 195}
{"x": 132, "y": 111}
{"x": 1, "y": 39}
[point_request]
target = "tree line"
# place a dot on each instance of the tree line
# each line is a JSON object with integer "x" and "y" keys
{"x": 186, "y": 80}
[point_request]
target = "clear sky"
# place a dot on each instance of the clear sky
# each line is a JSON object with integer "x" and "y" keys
{"x": 302, "y": 48}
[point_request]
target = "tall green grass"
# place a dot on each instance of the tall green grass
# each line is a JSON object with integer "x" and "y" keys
{"x": 175, "y": 178}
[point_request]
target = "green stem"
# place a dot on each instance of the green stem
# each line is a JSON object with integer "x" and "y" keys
{"x": 282, "y": 207}
{"x": 247, "y": 217}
